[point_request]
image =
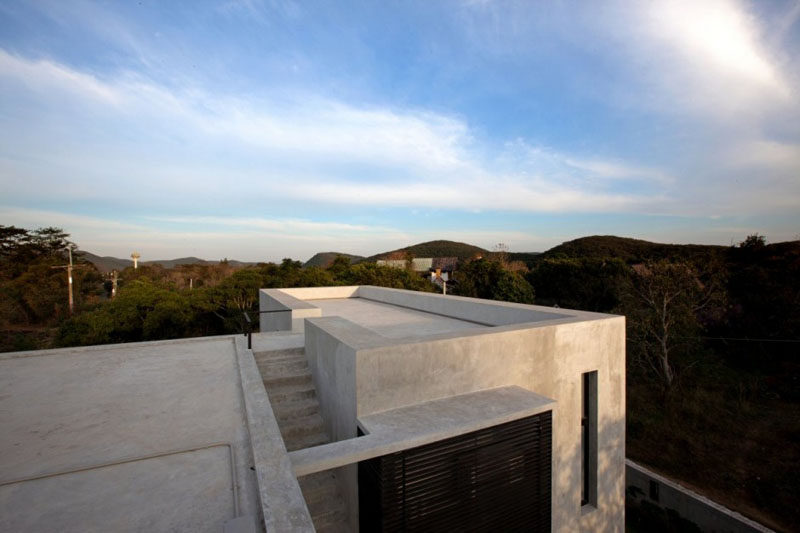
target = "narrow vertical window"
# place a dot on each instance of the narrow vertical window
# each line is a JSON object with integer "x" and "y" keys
{"x": 589, "y": 438}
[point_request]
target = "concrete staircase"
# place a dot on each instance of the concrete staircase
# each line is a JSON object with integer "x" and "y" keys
{"x": 291, "y": 392}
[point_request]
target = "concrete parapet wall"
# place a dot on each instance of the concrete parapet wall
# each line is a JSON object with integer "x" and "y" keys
{"x": 322, "y": 293}
{"x": 359, "y": 372}
{"x": 707, "y": 514}
{"x": 284, "y": 312}
{"x": 282, "y": 504}
{"x": 486, "y": 312}
{"x": 332, "y": 360}
{"x": 546, "y": 358}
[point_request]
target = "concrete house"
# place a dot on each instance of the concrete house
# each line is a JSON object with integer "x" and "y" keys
{"x": 355, "y": 408}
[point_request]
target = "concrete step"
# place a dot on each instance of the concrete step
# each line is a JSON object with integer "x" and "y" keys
{"x": 332, "y": 519}
{"x": 318, "y": 486}
{"x": 325, "y": 504}
{"x": 268, "y": 368}
{"x": 288, "y": 410}
{"x": 290, "y": 393}
{"x": 306, "y": 441}
{"x": 267, "y": 362}
{"x": 300, "y": 379}
{"x": 300, "y": 427}
{"x": 280, "y": 355}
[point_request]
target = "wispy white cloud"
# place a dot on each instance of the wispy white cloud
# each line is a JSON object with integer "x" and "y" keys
{"x": 283, "y": 225}
{"x": 777, "y": 156}
{"x": 708, "y": 75}
{"x": 45, "y": 75}
{"x": 517, "y": 193}
{"x": 37, "y": 218}
{"x": 248, "y": 238}
{"x": 417, "y": 158}
{"x": 712, "y": 55}
{"x": 244, "y": 238}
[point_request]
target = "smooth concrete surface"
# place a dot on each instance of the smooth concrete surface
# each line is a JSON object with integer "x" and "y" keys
{"x": 548, "y": 359}
{"x": 319, "y": 293}
{"x": 149, "y": 428}
{"x": 279, "y": 311}
{"x": 109, "y": 498}
{"x": 286, "y": 309}
{"x": 545, "y": 356}
{"x": 479, "y": 311}
{"x": 424, "y": 423}
{"x": 707, "y": 514}
{"x": 391, "y": 321}
{"x": 279, "y": 340}
{"x": 331, "y": 360}
{"x": 283, "y": 507}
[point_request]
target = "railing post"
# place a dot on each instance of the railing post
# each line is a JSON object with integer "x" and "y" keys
{"x": 249, "y": 332}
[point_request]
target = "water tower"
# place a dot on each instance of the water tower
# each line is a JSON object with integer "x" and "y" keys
{"x": 135, "y": 256}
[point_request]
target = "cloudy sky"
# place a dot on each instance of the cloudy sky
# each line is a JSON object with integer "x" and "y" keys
{"x": 258, "y": 130}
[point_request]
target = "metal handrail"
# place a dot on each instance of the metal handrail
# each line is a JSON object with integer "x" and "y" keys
{"x": 249, "y": 332}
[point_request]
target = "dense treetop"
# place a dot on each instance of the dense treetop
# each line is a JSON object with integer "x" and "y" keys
{"x": 441, "y": 248}
{"x": 324, "y": 259}
{"x": 629, "y": 250}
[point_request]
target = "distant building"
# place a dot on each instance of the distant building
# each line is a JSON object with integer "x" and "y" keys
{"x": 418, "y": 264}
{"x": 357, "y": 408}
{"x": 438, "y": 269}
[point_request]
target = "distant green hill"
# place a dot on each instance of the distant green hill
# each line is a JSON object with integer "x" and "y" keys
{"x": 629, "y": 250}
{"x": 435, "y": 249}
{"x": 324, "y": 259}
{"x": 108, "y": 263}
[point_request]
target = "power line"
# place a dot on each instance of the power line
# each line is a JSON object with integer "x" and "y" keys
{"x": 742, "y": 339}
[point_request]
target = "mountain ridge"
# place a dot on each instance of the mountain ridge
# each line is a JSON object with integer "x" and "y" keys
{"x": 108, "y": 263}
{"x": 437, "y": 248}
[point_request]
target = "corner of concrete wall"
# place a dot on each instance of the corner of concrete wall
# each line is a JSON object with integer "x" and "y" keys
{"x": 587, "y": 346}
{"x": 548, "y": 359}
{"x": 332, "y": 364}
{"x": 280, "y": 311}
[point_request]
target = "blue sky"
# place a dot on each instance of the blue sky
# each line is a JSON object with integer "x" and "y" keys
{"x": 259, "y": 130}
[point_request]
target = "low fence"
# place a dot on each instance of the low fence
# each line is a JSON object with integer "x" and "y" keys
{"x": 644, "y": 485}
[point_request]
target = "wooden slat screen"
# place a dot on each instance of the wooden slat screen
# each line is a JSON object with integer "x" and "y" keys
{"x": 495, "y": 479}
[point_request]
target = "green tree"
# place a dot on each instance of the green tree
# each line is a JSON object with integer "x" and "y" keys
{"x": 586, "y": 283}
{"x": 487, "y": 278}
{"x": 662, "y": 302}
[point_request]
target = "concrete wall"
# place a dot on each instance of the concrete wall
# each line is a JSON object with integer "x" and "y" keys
{"x": 549, "y": 360}
{"x": 331, "y": 353}
{"x": 322, "y": 293}
{"x": 487, "y": 312}
{"x": 332, "y": 362}
{"x": 141, "y": 436}
{"x": 358, "y": 372}
{"x": 283, "y": 507}
{"x": 708, "y": 515}
{"x": 284, "y": 312}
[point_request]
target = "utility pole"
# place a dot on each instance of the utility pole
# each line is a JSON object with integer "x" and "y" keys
{"x": 114, "y": 279}
{"x": 69, "y": 268}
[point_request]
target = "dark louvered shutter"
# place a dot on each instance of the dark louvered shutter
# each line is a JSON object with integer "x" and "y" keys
{"x": 495, "y": 479}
